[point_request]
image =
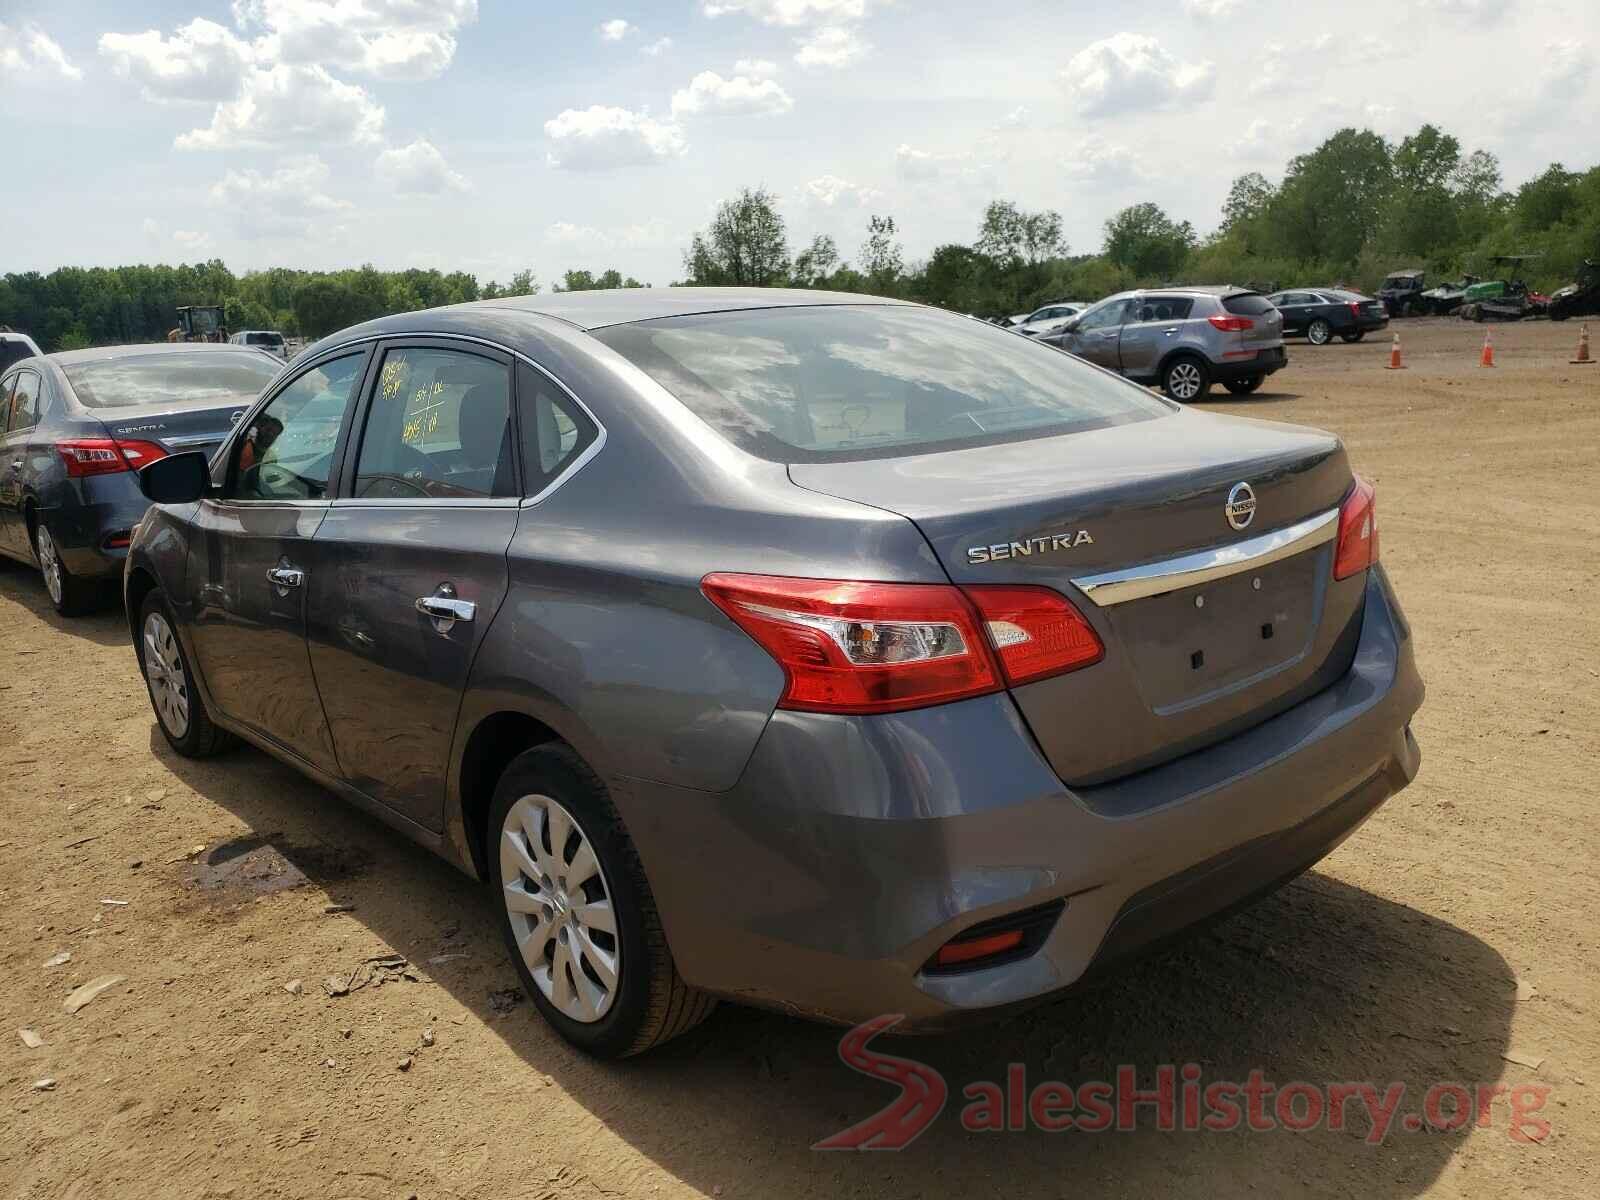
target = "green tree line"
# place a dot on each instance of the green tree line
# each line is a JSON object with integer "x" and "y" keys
{"x": 1352, "y": 210}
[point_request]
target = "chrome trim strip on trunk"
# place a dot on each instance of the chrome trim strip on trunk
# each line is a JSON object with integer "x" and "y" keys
{"x": 1168, "y": 575}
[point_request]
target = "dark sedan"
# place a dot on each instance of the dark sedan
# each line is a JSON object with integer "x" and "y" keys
{"x": 817, "y": 651}
{"x": 1321, "y": 315}
{"x": 75, "y": 426}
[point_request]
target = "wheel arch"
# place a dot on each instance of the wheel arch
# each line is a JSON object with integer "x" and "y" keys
{"x": 140, "y": 583}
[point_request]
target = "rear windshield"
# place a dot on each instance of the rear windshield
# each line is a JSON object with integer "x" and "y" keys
{"x": 829, "y": 383}
{"x": 1246, "y": 304}
{"x": 219, "y": 377}
{"x": 263, "y": 339}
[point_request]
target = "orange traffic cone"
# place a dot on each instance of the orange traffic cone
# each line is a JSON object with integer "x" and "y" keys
{"x": 1583, "y": 359}
{"x": 1394, "y": 356}
{"x": 1486, "y": 359}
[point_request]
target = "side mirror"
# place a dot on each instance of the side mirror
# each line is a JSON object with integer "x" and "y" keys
{"x": 176, "y": 479}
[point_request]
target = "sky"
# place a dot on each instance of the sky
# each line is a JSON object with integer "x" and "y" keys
{"x": 496, "y": 135}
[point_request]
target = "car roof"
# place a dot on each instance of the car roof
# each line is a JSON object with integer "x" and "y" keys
{"x": 1403, "y": 274}
{"x": 68, "y": 358}
{"x": 619, "y": 306}
{"x": 1189, "y": 289}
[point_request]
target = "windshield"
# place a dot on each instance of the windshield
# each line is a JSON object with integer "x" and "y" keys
{"x": 219, "y": 377}
{"x": 826, "y": 383}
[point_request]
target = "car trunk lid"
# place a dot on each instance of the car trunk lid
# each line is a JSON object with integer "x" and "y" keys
{"x": 1189, "y": 660}
{"x": 177, "y": 425}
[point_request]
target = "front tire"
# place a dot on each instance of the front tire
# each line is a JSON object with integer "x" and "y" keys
{"x": 577, "y": 913}
{"x": 1185, "y": 379}
{"x": 1244, "y": 386}
{"x": 185, "y": 722}
{"x": 1319, "y": 332}
{"x": 70, "y": 596}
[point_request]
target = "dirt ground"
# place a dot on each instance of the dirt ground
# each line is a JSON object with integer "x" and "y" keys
{"x": 1459, "y": 927}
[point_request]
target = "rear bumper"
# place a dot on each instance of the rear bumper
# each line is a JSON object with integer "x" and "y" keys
{"x": 853, "y": 848}
{"x": 86, "y": 514}
{"x": 1265, "y": 362}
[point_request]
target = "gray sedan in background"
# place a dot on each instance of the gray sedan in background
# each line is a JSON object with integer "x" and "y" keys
{"x": 814, "y": 651}
{"x": 75, "y": 426}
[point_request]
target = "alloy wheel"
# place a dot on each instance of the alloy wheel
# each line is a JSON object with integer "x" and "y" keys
{"x": 50, "y": 565}
{"x": 560, "y": 906}
{"x": 1183, "y": 381}
{"x": 163, "y": 669}
{"x": 1319, "y": 333}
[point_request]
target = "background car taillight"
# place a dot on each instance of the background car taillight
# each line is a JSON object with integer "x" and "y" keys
{"x": 106, "y": 456}
{"x": 1358, "y": 531}
{"x": 852, "y": 647}
{"x": 1355, "y": 308}
{"x": 1232, "y": 324}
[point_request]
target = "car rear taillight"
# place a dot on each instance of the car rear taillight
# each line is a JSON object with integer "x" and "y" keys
{"x": 1232, "y": 324}
{"x": 105, "y": 456}
{"x": 1355, "y": 308}
{"x": 850, "y": 647}
{"x": 1035, "y": 632}
{"x": 853, "y": 647}
{"x": 1358, "y": 531}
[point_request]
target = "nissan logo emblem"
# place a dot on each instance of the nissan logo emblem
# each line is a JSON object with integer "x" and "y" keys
{"x": 1241, "y": 506}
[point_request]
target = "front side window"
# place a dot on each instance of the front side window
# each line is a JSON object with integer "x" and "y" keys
{"x": 287, "y": 451}
{"x": 439, "y": 427}
{"x": 1107, "y": 316}
{"x": 25, "y": 402}
{"x": 827, "y": 383}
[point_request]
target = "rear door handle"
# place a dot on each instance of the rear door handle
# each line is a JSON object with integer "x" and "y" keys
{"x": 16, "y": 464}
{"x": 445, "y": 608}
{"x": 284, "y": 578}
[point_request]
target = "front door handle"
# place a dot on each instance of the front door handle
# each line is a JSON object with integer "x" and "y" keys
{"x": 445, "y": 608}
{"x": 284, "y": 577}
{"x": 16, "y": 464}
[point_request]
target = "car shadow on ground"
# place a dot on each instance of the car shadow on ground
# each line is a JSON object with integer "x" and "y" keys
{"x": 104, "y": 625}
{"x": 1320, "y": 983}
{"x": 1226, "y": 399}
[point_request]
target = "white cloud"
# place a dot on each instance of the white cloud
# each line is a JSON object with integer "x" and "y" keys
{"x": 616, "y": 29}
{"x": 789, "y": 12}
{"x": 600, "y": 137}
{"x": 831, "y": 46}
{"x": 1018, "y": 118}
{"x": 627, "y": 237}
{"x": 829, "y": 191}
{"x": 1131, "y": 71}
{"x": 194, "y": 241}
{"x": 1211, "y": 10}
{"x": 1484, "y": 12}
{"x": 756, "y": 68}
{"x": 418, "y": 170}
{"x": 287, "y": 202}
{"x": 916, "y": 166}
{"x": 28, "y": 50}
{"x": 709, "y": 93}
{"x": 201, "y": 61}
{"x": 289, "y": 106}
{"x": 391, "y": 39}
{"x": 1098, "y": 160}
{"x": 656, "y": 48}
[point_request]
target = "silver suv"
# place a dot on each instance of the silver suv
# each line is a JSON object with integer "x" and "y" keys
{"x": 1184, "y": 338}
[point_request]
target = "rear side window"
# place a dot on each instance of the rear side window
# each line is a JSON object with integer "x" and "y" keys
{"x": 1247, "y": 304}
{"x": 439, "y": 427}
{"x": 555, "y": 431}
{"x": 828, "y": 383}
{"x": 1165, "y": 308}
{"x": 25, "y": 402}
{"x": 222, "y": 377}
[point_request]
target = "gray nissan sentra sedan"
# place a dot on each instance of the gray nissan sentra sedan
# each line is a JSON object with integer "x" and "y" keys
{"x": 809, "y": 650}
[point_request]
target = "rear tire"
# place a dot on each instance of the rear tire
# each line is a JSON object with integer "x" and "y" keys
{"x": 185, "y": 722}
{"x": 69, "y": 595}
{"x": 1186, "y": 379}
{"x": 543, "y": 891}
{"x": 1354, "y": 337}
{"x": 1319, "y": 332}
{"x": 1244, "y": 386}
